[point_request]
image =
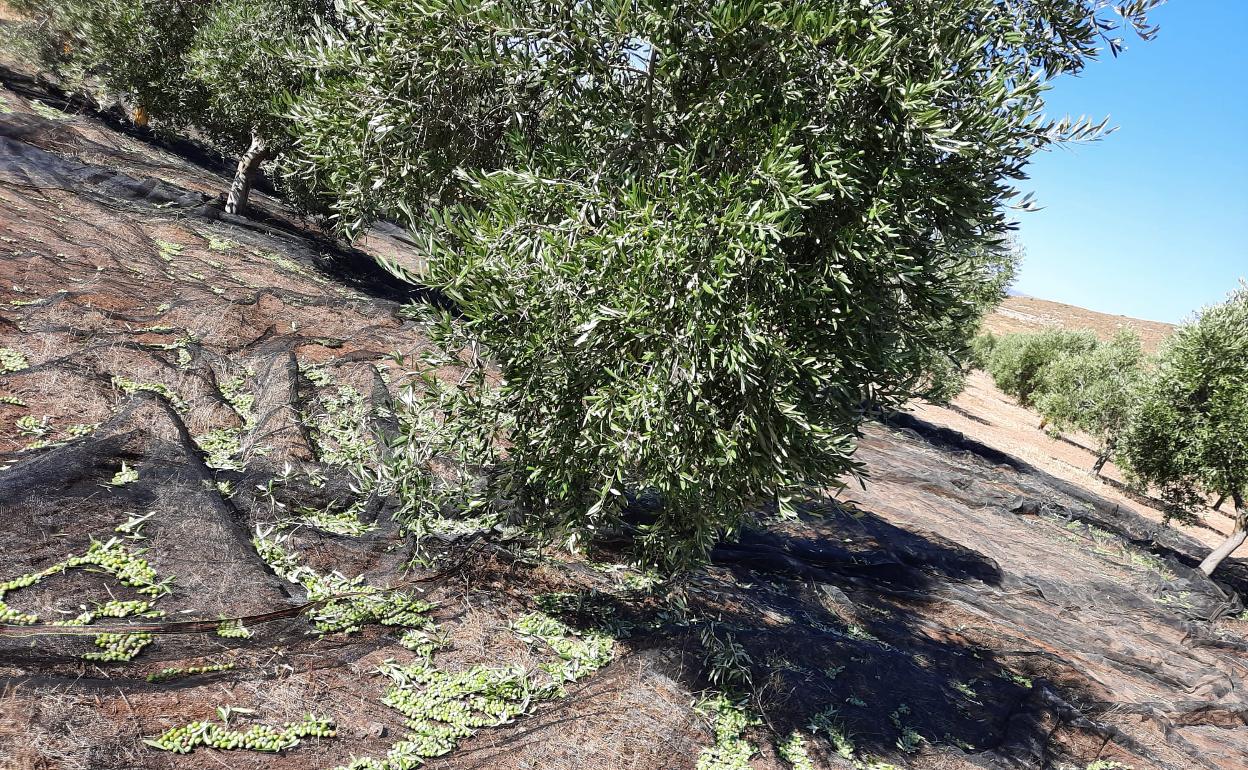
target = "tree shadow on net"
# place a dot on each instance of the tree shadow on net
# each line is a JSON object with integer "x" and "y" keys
{"x": 837, "y": 628}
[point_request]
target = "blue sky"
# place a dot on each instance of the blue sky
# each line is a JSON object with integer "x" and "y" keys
{"x": 1151, "y": 221}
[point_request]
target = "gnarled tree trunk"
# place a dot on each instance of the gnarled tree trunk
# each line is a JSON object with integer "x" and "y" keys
{"x": 1218, "y": 505}
{"x": 1236, "y": 539}
{"x": 240, "y": 189}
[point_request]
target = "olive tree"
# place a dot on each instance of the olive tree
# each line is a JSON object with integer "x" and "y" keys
{"x": 1189, "y": 434}
{"x": 218, "y": 67}
{"x": 982, "y": 347}
{"x": 1018, "y": 361}
{"x": 241, "y": 62}
{"x": 401, "y": 98}
{"x": 700, "y": 242}
{"x": 133, "y": 46}
{"x": 1093, "y": 391}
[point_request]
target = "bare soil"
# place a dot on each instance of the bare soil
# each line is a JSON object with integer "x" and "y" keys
{"x": 980, "y": 603}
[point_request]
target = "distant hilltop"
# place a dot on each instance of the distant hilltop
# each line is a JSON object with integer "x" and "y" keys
{"x": 1021, "y": 314}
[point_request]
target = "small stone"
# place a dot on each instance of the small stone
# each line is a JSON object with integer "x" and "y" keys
{"x": 1025, "y": 507}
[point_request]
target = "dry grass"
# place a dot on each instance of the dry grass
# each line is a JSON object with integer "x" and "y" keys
{"x": 54, "y": 729}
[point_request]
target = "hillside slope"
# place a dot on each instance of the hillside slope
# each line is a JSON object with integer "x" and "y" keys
{"x": 1029, "y": 315}
{"x": 191, "y": 409}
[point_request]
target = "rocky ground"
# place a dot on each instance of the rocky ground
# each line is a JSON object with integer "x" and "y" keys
{"x": 196, "y": 575}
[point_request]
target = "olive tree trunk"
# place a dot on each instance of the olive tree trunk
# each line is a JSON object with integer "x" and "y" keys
{"x": 1103, "y": 457}
{"x": 1228, "y": 547}
{"x": 240, "y": 189}
{"x": 1218, "y": 505}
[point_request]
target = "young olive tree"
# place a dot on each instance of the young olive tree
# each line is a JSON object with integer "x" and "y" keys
{"x": 700, "y": 241}
{"x": 1094, "y": 391}
{"x": 1189, "y": 433}
{"x": 1018, "y": 361}
{"x": 218, "y": 67}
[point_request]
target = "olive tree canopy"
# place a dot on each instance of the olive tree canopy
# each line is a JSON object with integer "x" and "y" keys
{"x": 1189, "y": 434}
{"x": 1018, "y": 361}
{"x": 701, "y": 241}
{"x": 1094, "y": 391}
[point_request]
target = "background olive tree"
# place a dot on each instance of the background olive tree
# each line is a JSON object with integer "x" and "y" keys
{"x": 241, "y": 60}
{"x": 701, "y": 242}
{"x": 1189, "y": 433}
{"x": 219, "y": 67}
{"x": 1093, "y": 391}
{"x": 982, "y": 347}
{"x": 400, "y": 99}
{"x": 1018, "y": 361}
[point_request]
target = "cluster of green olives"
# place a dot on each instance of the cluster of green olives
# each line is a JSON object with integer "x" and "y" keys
{"x": 420, "y": 642}
{"x": 233, "y": 629}
{"x": 350, "y": 603}
{"x": 118, "y": 647}
{"x": 185, "y": 739}
{"x": 115, "y": 559}
{"x": 404, "y": 755}
{"x": 339, "y": 522}
{"x": 12, "y": 361}
{"x": 285, "y": 564}
{"x": 399, "y": 609}
{"x": 10, "y": 615}
{"x": 730, "y": 719}
{"x": 539, "y": 625}
{"x": 219, "y": 446}
{"x": 373, "y": 605}
{"x": 442, "y": 708}
{"x": 579, "y": 656}
{"x": 30, "y": 578}
{"x": 447, "y": 710}
{"x": 164, "y": 675}
{"x": 112, "y": 609}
